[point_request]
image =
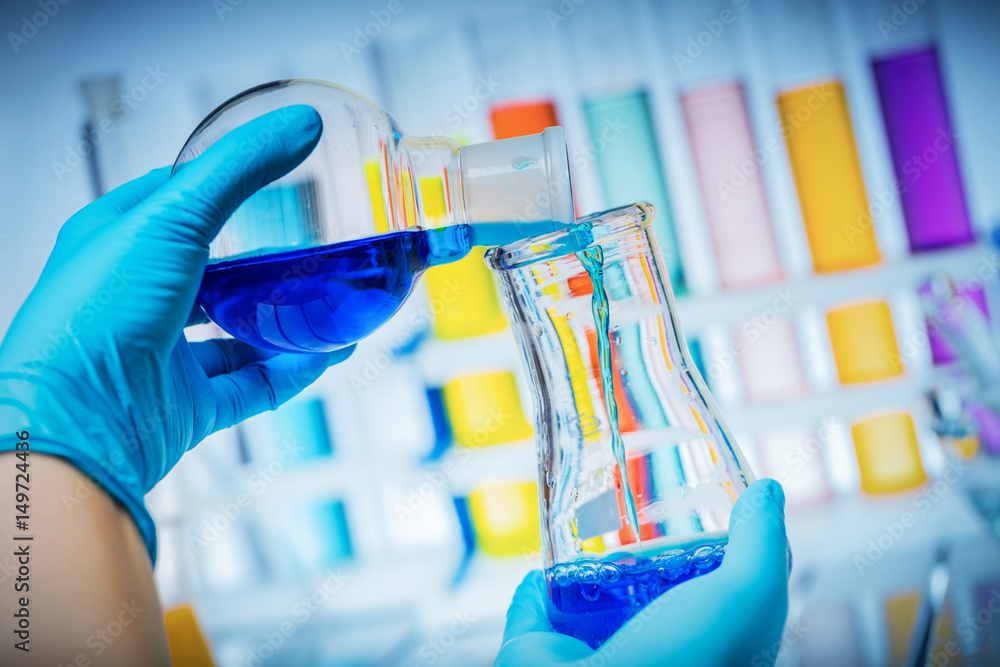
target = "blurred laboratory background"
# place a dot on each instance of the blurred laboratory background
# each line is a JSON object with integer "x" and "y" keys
{"x": 827, "y": 181}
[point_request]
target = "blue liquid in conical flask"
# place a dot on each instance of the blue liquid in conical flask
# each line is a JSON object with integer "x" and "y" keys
{"x": 328, "y": 297}
{"x": 591, "y": 599}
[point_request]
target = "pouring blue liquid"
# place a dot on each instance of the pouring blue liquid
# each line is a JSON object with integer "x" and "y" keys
{"x": 324, "y": 298}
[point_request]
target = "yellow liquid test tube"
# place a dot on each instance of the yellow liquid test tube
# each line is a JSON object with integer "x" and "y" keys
{"x": 864, "y": 343}
{"x": 505, "y": 516}
{"x": 463, "y": 295}
{"x": 817, "y": 128}
{"x": 888, "y": 454}
{"x": 485, "y": 409}
{"x": 185, "y": 638}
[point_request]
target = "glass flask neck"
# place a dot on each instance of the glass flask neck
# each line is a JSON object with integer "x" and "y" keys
{"x": 505, "y": 190}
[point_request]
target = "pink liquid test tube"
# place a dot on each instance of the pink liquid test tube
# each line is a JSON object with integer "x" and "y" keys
{"x": 732, "y": 186}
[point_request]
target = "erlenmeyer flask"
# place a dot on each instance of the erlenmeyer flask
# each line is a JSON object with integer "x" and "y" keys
{"x": 682, "y": 468}
{"x": 321, "y": 257}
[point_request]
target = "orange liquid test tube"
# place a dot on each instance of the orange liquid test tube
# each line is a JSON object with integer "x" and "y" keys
{"x": 824, "y": 158}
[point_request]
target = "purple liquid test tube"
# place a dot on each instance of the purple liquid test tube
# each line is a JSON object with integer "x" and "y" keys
{"x": 923, "y": 146}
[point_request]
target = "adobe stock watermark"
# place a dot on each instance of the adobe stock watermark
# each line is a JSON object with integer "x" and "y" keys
{"x": 301, "y": 611}
{"x": 698, "y": 43}
{"x": 418, "y": 496}
{"x": 365, "y": 32}
{"x": 923, "y": 502}
{"x": 230, "y": 511}
{"x": 752, "y": 329}
{"x": 86, "y": 312}
{"x": 564, "y": 10}
{"x": 121, "y": 108}
{"x": 603, "y": 656}
{"x": 740, "y": 174}
{"x": 796, "y": 459}
{"x": 914, "y": 167}
{"x": 104, "y": 637}
{"x": 463, "y": 109}
{"x": 31, "y": 25}
{"x": 944, "y": 654}
{"x": 970, "y": 626}
{"x": 161, "y": 410}
{"x": 434, "y": 648}
{"x": 898, "y": 17}
{"x": 460, "y": 111}
{"x": 223, "y": 7}
{"x": 792, "y": 634}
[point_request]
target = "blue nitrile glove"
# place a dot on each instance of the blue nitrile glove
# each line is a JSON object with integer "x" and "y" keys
{"x": 732, "y": 616}
{"x": 95, "y": 365}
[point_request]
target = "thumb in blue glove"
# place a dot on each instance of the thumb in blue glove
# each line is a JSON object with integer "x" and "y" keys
{"x": 732, "y": 616}
{"x": 95, "y": 365}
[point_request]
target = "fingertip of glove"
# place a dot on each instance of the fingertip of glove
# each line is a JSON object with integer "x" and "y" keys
{"x": 337, "y": 356}
{"x": 306, "y": 119}
{"x": 774, "y": 491}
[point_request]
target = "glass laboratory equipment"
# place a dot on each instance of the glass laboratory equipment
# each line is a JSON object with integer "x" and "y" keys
{"x": 323, "y": 256}
{"x": 638, "y": 472}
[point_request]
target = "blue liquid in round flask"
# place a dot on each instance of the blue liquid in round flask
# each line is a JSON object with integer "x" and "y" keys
{"x": 323, "y": 256}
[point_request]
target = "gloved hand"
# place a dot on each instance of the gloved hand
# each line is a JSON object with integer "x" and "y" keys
{"x": 95, "y": 365}
{"x": 732, "y": 616}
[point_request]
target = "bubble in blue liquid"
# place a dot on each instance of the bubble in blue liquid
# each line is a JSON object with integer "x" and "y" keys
{"x": 704, "y": 557}
{"x": 589, "y": 573}
{"x": 590, "y": 592}
{"x": 610, "y": 573}
{"x": 590, "y": 599}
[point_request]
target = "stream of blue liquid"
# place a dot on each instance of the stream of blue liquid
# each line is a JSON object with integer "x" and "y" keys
{"x": 592, "y": 260}
{"x": 324, "y": 298}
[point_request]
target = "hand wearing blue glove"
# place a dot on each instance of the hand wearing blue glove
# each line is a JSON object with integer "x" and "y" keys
{"x": 732, "y": 616}
{"x": 95, "y": 365}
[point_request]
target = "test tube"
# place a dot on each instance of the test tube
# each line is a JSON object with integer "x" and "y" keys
{"x": 530, "y": 90}
{"x": 107, "y": 159}
{"x": 485, "y": 409}
{"x": 924, "y": 151}
{"x": 793, "y": 456}
{"x": 185, "y": 638}
{"x": 815, "y": 120}
{"x": 505, "y": 518}
{"x": 630, "y": 166}
{"x": 703, "y": 40}
{"x": 434, "y": 86}
{"x": 319, "y": 533}
{"x": 864, "y": 342}
{"x": 769, "y": 361}
{"x": 911, "y": 134}
{"x": 888, "y": 453}
{"x": 463, "y": 294}
{"x": 732, "y": 187}
{"x": 430, "y": 81}
{"x": 621, "y": 121}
